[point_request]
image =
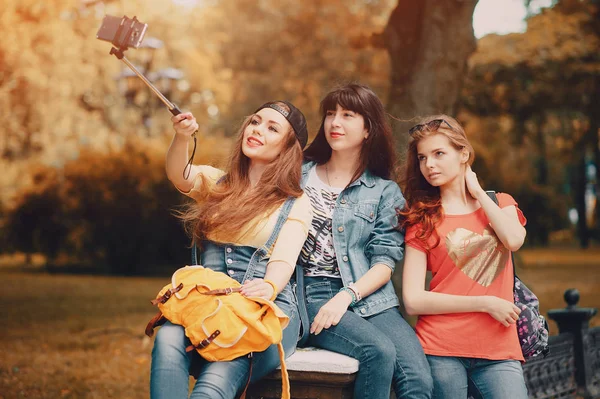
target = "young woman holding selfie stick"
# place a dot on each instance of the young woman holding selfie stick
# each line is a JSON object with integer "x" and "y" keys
{"x": 236, "y": 212}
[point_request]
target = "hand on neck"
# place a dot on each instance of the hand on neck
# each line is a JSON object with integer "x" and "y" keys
{"x": 456, "y": 199}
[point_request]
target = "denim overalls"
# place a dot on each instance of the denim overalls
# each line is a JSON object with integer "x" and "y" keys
{"x": 170, "y": 362}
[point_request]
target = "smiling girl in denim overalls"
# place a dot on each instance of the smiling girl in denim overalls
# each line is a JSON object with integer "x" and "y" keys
{"x": 352, "y": 248}
{"x": 251, "y": 226}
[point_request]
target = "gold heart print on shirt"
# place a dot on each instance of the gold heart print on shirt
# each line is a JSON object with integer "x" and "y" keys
{"x": 481, "y": 257}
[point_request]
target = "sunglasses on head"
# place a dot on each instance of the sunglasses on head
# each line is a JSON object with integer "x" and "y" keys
{"x": 431, "y": 126}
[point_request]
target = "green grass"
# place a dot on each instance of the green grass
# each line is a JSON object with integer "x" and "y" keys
{"x": 67, "y": 336}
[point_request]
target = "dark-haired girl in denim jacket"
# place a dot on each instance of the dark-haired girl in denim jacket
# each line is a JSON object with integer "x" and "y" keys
{"x": 353, "y": 246}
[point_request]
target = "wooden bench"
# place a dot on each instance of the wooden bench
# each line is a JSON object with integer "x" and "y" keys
{"x": 314, "y": 374}
{"x": 571, "y": 370}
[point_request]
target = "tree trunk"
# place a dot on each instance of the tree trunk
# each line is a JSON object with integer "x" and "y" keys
{"x": 580, "y": 182}
{"x": 594, "y": 118}
{"x": 594, "y": 130}
{"x": 542, "y": 155}
{"x": 596, "y": 144}
{"x": 429, "y": 42}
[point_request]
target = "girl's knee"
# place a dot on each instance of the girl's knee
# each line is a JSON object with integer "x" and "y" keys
{"x": 290, "y": 335}
{"x": 170, "y": 338}
{"x": 380, "y": 352}
{"x": 222, "y": 380}
{"x": 424, "y": 381}
{"x": 215, "y": 389}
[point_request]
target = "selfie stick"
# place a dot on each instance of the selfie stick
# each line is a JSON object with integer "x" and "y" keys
{"x": 172, "y": 107}
{"x": 120, "y": 41}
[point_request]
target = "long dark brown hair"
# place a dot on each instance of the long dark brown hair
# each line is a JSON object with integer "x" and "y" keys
{"x": 232, "y": 204}
{"x": 423, "y": 201}
{"x": 377, "y": 153}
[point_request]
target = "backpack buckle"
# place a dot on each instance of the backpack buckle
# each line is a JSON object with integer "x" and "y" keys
{"x": 165, "y": 297}
{"x": 205, "y": 342}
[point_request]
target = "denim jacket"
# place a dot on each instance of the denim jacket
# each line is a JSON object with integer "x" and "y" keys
{"x": 364, "y": 234}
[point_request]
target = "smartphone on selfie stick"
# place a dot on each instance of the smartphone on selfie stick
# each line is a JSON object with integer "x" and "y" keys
{"x": 124, "y": 33}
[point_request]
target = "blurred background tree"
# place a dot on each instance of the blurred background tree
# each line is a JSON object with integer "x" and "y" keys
{"x": 82, "y": 146}
{"x": 541, "y": 89}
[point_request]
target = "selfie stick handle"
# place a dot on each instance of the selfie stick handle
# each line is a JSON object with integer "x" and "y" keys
{"x": 172, "y": 107}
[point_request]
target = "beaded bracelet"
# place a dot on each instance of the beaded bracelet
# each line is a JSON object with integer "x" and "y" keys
{"x": 355, "y": 290}
{"x": 352, "y": 294}
{"x": 272, "y": 284}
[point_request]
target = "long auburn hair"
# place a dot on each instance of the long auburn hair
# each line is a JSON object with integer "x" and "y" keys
{"x": 423, "y": 201}
{"x": 377, "y": 153}
{"x": 233, "y": 204}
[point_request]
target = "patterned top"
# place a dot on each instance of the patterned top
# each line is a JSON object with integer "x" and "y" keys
{"x": 318, "y": 253}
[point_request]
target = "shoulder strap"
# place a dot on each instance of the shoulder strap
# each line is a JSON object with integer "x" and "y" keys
{"x": 283, "y": 215}
{"x": 264, "y": 250}
{"x": 492, "y": 195}
{"x": 194, "y": 247}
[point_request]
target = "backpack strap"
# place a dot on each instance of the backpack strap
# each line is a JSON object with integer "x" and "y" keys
{"x": 165, "y": 297}
{"x": 492, "y": 195}
{"x": 285, "y": 379}
{"x": 156, "y": 321}
{"x": 251, "y": 357}
{"x": 205, "y": 342}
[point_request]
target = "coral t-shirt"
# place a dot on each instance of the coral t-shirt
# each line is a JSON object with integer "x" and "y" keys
{"x": 469, "y": 260}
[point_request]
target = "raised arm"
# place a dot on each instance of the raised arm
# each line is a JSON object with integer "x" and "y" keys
{"x": 184, "y": 125}
{"x": 504, "y": 221}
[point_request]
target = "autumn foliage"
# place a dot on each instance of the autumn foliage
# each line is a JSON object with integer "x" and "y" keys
{"x": 82, "y": 173}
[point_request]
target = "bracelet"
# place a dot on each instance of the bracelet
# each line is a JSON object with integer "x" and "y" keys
{"x": 355, "y": 290}
{"x": 349, "y": 291}
{"x": 272, "y": 284}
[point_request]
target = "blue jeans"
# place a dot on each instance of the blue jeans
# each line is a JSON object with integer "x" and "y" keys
{"x": 169, "y": 376}
{"x": 459, "y": 377}
{"x": 385, "y": 345}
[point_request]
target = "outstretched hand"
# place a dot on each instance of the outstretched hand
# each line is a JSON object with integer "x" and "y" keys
{"x": 184, "y": 124}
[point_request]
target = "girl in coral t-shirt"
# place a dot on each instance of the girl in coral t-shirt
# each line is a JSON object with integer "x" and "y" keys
{"x": 453, "y": 229}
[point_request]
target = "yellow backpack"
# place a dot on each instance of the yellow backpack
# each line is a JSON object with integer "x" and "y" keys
{"x": 221, "y": 323}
